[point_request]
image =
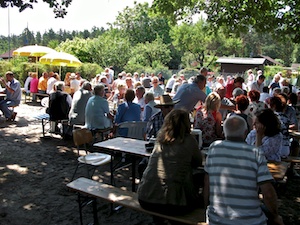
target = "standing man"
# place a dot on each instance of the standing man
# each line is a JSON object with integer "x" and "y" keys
{"x": 170, "y": 83}
{"x": 190, "y": 94}
{"x": 235, "y": 172}
{"x": 258, "y": 85}
{"x": 13, "y": 95}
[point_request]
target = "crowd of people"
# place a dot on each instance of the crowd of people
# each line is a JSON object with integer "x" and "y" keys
{"x": 244, "y": 124}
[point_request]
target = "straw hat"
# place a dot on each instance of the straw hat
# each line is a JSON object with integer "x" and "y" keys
{"x": 166, "y": 100}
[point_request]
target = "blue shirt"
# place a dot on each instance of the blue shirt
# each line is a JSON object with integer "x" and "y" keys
{"x": 96, "y": 112}
{"x": 189, "y": 95}
{"x": 127, "y": 111}
{"x": 15, "y": 97}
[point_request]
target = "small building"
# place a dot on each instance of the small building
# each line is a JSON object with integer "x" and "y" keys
{"x": 7, "y": 55}
{"x": 237, "y": 65}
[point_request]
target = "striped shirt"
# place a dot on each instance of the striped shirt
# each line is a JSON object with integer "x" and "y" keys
{"x": 235, "y": 171}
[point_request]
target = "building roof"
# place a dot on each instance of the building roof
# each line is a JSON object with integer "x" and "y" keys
{"x": 6, "y": 55}
{"x": 247, "y": 61}
{"x": 271, "y": 60}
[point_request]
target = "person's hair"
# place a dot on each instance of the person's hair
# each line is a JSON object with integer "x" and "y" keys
{"x": 293, "y": 98}
{"x": 87, "y": 85}
{"x": 99, "y": 89}
{"x": 266, "y": 89}
{"x": 59, "y": 85}
{"x": 260, "y": 77}
{"x": 235, "y": 126}
{"x": 242, "y": 102}
{"x": 175, "y": 127}
{"x": 237, "y": 92}
{"x": 212, "y": 101}
{"x": 254, "y": 95}
{"x": 149, "y": 96}
{"x": 34, "y": 75}
{"x": 199, "y": 78}
{"x": 121, "y": 85}
{"x": 271, "y": 122}
{"x": 239, "y": 80}
{"x": 203, "y": 70}
{"x": 276, "y": 91}
{"x": 285, "y": 90}
{"x": 9, "y": 73}
{"x": 129, "y": 95}
{"x": 276, "y": 102}
{"x": 141, "y": 88}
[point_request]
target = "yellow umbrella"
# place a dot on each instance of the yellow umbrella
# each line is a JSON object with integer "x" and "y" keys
{"x": 60, "y": 59}
{"x": 34, "y": 51}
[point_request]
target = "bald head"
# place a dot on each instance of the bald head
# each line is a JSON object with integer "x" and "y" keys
{"x": 235, "y": 127}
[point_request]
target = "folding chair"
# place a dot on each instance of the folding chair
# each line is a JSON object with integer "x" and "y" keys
{"x": 82, "y": 137}
{"x": 136, "y": 129}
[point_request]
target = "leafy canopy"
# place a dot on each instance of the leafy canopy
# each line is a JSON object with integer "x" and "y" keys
{"x": 281, "y": 18}
{"x": 59, "y": 6}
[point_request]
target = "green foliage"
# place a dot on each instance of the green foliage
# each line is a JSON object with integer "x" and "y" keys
{"x": 59, "y": 7}
{"x": 279, "y": 18}
{"x": 270, "y": 71}
{"x": 78, "y": 47}
{"x": 140, "y": 26}
{"x": 89, "y": 70}
{"x": 199, "y": 41}
{"x": 110, "y": 49}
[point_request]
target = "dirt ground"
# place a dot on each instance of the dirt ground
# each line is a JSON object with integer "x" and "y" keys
{"x": 34, "y": 172}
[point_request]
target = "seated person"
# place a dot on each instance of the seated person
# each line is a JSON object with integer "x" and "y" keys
{"x": 127, "y": 111}
{"x": 156, "y": 89}
{"x": 235, "y": 171}
{"x": 34, "y": 85}
{"x": 59, "y": 103}
{"x": 97, "y": 115}
{"x": 255, "y": 105}
{"x": 266, "y": 134}
{"x": 242, "y": 104}
{"x": 27, "y": 83}
{"x": 167, "y": 184}
{"x": 79, "y": 101}
{"x": 13, "y": 95}
{"x": 277, "y": 104}
{"x": 150, "y": 108}
{"x": 208, "y": 119}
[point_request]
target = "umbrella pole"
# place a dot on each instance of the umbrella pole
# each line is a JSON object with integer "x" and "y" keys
{"x": 36, "y": 65}
{"x": 60, "y": 71}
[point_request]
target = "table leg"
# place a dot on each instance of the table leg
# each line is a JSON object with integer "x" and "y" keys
{"x": 133, "y": 173}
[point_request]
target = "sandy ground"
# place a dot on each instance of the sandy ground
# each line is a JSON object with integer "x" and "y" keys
{"x": 34, "y": 172}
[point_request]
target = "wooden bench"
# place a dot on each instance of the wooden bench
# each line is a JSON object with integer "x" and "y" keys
{"x": 124, "y": 198}
{"x": 28, "y": 96}
{"x": 45, "y": 120}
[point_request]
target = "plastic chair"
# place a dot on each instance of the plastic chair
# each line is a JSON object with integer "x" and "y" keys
{"x": 136, "y": 129}
{"x": 82, "y": 137}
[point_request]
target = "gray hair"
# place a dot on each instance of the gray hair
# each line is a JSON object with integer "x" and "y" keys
{"x": 235, "y": 126}
{"x": 99, "y": 89}
{"x": 199, "y": 78}
{"x": 149, "y": 96}
{"x": 237, "y": 92}
{"x": 87, "y": 86}
{"x": 59, "y": 85}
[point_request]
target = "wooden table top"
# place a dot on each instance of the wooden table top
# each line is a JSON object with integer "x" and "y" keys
{"x": 292, "y": 159}
{"x": 278, "y": 169}
{"x": 295, "y": 134}
{"x": 125, "y": 145}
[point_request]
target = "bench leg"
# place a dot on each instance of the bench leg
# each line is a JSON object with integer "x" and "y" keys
{"x": 80, "y": 209}
{"x": 43, "y": 127}
{"x": 95, "y": 215}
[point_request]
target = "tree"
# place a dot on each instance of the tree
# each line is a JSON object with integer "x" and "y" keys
{"x": 59, "y": 7}
{"x": 198, "y": 40}
{"x": 140, "y": 26}
{"x": 280, "y": 18}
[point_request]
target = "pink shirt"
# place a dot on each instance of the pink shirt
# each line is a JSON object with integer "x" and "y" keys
{"x": 34, "y": 85}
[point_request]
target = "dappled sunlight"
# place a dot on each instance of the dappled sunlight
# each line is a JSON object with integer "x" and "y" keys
{"x": 298, "y": 199}
{"x": 29, "y": 206}
{"x": 18, "y": 169}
